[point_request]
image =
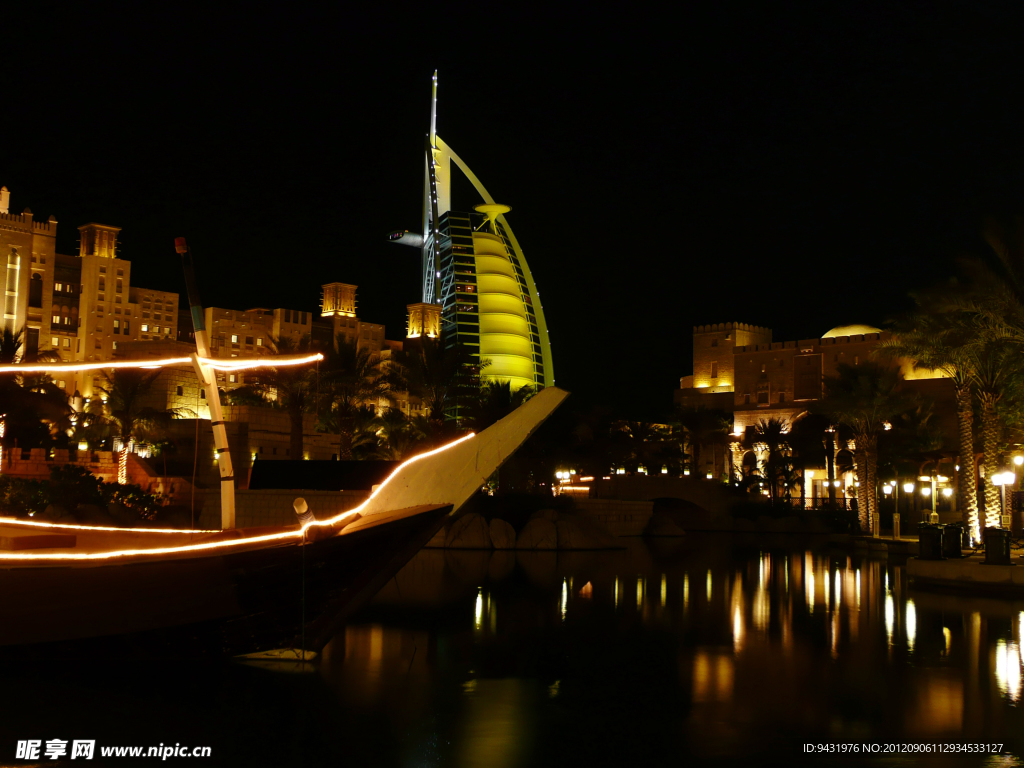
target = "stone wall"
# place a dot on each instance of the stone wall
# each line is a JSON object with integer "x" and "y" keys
{"x": 619, "y": 518}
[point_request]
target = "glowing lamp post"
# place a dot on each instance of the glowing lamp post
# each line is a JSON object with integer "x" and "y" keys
{"x": 891, "y": 489}
{"x": 1003, "y": 479}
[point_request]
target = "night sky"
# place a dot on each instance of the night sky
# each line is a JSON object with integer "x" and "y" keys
{"x": 792, "y": 167}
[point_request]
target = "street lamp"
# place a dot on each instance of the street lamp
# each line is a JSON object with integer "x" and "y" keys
{"x": 1003, "y": 479}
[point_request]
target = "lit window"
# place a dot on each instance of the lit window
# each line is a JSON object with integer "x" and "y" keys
{"x": 55, "y": 319}
{"x": 67, "y": 343}
{"x": 259, "y": 342}
{"x": 234, "y": 338}
{"x": 145, "y": 327}
{"x": 232, "y": 378}
{"x": 62, "y": 384}
{"x": 54, "y": 342}
{"x": 115, "y": 345}
{"x": 58, "y": 287}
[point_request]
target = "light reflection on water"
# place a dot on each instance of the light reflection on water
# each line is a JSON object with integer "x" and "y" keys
{"x": 785, "y": 645}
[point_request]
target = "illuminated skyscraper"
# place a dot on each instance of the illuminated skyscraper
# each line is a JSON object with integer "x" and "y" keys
{"x": 474, "y": 269}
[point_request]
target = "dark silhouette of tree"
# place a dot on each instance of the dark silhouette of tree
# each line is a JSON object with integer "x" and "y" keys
{"x": 127, "y": 390}
{"x": 865, "y": 398}
{"x": 444, "y": 377}
{"x": 704, "y": 428}
{"x": 497, "y": 400}
{"x": 351, "y": 379}
{"x": 937, "y": 337}
{"x": 292, "y": 387}
{"x": 770, "y": 436}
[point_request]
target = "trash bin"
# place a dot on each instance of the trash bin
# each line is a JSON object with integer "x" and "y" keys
{"x": 929, "y": 538}
{"x": 952, "y": 540}
{"x": 997, "y": 546}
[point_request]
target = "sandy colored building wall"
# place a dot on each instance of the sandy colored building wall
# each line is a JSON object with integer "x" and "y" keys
{"x": 713, "y": 347}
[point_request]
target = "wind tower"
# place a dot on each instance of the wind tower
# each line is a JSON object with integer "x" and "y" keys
{"x": 474, "y": 269}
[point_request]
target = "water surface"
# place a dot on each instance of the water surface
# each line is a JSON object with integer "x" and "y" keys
{"x": 701, "y": 649}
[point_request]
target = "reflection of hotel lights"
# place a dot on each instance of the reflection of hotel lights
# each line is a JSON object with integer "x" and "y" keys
{"x": 664, "y": 590}
{"x": 212, "y": 545}
{"x": 479, "y": 611}
{"x": 911, "y": 624}
{"x": 948, "y": 637}
{"x": 1007, "y": 671}
{"x": 890, "y": 615}
{"x": 838, "y": 590}
{"x": 737, "y": 629}
{"x": 686, "y": 591}
{"x": 709, "y": 586}
{"x": 810, "y": 591}
{"x": 639, "y": 592}
{"x": 857, "y": 582}
{"x": 565, "y": 598}
{"x": 616, "y": 593}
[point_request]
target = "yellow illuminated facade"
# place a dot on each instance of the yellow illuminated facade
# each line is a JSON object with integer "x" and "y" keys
{"x": 474, "y": 270}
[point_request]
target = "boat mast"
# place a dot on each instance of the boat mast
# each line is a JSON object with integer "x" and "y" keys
{"x": 208, "y": 377}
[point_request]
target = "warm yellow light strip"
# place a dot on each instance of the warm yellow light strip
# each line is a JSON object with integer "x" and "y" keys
{"x": 76, "y": 527}
{"x": 91, "y": 556}
{"x": 268, "y": 361}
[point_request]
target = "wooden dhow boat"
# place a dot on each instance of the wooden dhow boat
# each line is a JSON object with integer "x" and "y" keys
{"x": 241, "y": 590}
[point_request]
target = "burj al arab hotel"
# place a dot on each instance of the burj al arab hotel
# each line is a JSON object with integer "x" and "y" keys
{"x": 475, "y": 275}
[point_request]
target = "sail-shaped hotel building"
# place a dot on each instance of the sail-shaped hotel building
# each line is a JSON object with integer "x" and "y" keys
{"x": 475, "y": 276}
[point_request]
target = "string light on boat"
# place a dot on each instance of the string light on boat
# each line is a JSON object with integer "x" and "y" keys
{"x": 211, "y": 545}
{"x": 267, "y": 361}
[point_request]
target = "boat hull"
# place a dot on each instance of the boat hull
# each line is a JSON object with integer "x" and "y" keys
{"x": 231, "y": 602}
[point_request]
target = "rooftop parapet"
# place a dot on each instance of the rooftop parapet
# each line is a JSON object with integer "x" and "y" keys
{"x": 25, "y": 222}
{"x": 715, "y": 327}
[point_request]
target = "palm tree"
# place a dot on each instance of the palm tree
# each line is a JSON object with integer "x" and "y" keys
{"x": 939, "y": 339}
{"x": 444, "y": 377}
{"x": 771, "y": 436}
{"x": 351, "y": 380}
{"x": 10, "y": 345}
{"x": 127, "y": 390}
{"x": 292, "y": 386}
{"x": 865, "y": 398}
{"x": 997, "y": 364}
{"x": 399, "y": 436}
{"x": 496, "y": 401}
{"x": 704, "y": 427}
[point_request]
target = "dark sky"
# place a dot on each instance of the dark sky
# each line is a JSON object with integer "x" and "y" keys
{"x": 786, "y": 166}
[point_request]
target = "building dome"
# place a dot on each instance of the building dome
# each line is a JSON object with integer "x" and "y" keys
{"x": 850, "y": 330}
